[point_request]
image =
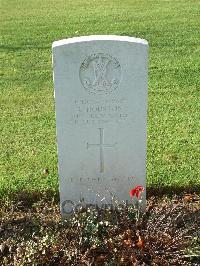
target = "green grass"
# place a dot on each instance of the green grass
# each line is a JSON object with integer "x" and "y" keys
{"x": 27, "y": 120}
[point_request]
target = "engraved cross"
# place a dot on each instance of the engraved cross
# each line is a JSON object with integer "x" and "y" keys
{"x": 101, "y": 146}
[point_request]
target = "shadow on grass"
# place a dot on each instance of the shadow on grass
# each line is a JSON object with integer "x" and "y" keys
{"x": 11, "y": 48}
{"x": 31, "y": 197}
{"x": 171, "y": 190}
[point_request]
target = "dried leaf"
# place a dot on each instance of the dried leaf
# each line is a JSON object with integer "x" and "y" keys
{"x": 45, "y": 171}
{"x": 140, "y": 243}
{"x": 188, "y": 197}
{"x": 100, "y": 258}
{"x": 128, "y": 242}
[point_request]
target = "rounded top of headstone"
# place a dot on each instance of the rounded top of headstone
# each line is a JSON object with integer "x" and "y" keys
{"x": 99, "y": 38}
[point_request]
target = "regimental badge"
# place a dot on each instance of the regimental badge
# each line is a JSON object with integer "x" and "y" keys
{"x": 100, "y": 74}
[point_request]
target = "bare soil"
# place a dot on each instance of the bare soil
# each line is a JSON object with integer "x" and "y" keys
{"x": 32, "y": 233}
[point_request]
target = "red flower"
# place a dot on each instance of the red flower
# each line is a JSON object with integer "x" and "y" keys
{"x": 136, "y": 191}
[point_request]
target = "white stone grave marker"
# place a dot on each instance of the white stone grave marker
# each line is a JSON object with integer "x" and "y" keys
{"x": 101, "y": 115}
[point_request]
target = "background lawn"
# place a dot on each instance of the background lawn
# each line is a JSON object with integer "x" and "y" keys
{"x": 27, "y": 120}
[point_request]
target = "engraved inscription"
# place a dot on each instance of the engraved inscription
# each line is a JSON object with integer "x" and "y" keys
{"x": 98, "y": 179}
{"x": 100, "y": 73}
{"x": 98, "y": 112}
{"x": 101, "y": 146}
{"x": 88, "y": 179}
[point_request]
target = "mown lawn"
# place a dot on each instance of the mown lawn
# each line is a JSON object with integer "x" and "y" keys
{"x": 27, "y": 120}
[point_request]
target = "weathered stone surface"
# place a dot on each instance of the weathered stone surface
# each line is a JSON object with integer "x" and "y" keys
{"x": 101, "y": 114}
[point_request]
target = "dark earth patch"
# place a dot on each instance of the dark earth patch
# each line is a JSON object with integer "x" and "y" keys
{"x": 32, "y": 233}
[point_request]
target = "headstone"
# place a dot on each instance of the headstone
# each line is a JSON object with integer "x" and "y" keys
{"x": 101, "y": 115}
